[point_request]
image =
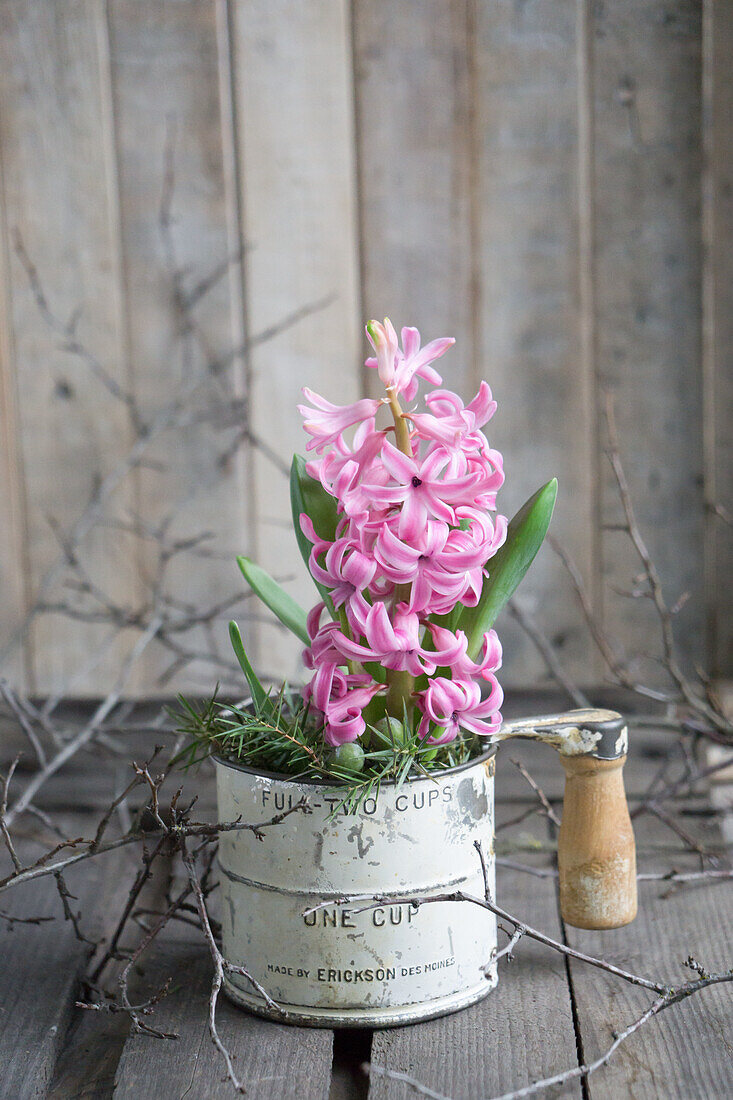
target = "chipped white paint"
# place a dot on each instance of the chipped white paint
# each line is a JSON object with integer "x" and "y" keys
{"x": 621, "y": 745}
{"x": 371, "y": 962}
{"x": 571, "y": 734}
{"x": 574, "y": 741}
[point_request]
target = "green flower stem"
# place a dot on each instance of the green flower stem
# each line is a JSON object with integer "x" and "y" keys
{"x": 399, "y": 693}
{"x": 402, "y": 432}
{"x": 400, "y": 685}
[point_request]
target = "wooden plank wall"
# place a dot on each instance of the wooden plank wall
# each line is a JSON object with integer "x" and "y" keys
{"x": 718, "y": 328}
{"x": 548, "y": 182}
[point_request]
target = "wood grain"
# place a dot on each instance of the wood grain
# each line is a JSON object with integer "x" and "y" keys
{"x": 685, "y": 1054}
{"x": 596, "y": 852}
{"x": 522, "y": 1031}
{"x": 414, "y": 103}
{"x": 42, "y": 964}
{"x": 271, "y": 1059}
{"x": 293, "y": 108}
{"x": 528, "y": 177}
{"x": 59, "y": 200}
{"x": 646, "y": 102}
{"x": 718, "y": 328}
{"x": 92, "y": 1045}
{"x": 169, "y": 119}
{"x": 533, "y": 308}
{"x": 13, "y": 535}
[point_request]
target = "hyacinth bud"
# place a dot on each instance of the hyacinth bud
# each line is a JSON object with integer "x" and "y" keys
{"x": 350, "y": 757}
{"x": 391, "y": 731}
{"x": 384, "y": 340}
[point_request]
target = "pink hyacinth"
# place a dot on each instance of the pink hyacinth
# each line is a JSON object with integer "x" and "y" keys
{"x": 326, "y": 422}
{"x": 393, "y": 639}
{"x": 454, "y": 705}
{"x": 420, "y": 490}
{"x": 449, "y": 422}
{"x": 414, "y": 540}
{"x": 399, "y": 369}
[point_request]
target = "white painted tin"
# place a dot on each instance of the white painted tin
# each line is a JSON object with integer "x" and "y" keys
{"x": 386, "y": 965}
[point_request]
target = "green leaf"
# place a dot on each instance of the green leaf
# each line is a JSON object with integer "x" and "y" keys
{"x": 309, "y": 496}
{"x": 313, "y": 499}
{"x": 525, "y": 535}
{"x": 259, "y": 695}
{"x": 288, "y": 611}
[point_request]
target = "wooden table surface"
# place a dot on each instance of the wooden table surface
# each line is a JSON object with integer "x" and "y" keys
{"x": 544, "y": 1016}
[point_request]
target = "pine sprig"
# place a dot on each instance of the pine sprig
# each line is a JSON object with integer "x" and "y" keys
{"x": 273, "y": 734}
{"x": 281, "y": 734}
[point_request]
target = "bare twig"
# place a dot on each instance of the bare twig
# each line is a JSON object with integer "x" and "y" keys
{"x": 613, "y": 662}
{"x": 671, "y": 663}
{"x": 69, "y": 914}
{"x": 6, "y": 780}
{"x": 710, "y": 874}
{"x": 11, "y": 920}
{"x": 184, "y": 632}
{"x": 88, "y": 731}
{"x": 533, "y": 933}
{"x": 544, "y": 646}
{"x": 204, "y": 830}
{"x": 547, "y": 807}
{"x": 221, "y": 966}
{"x": 24, "y": 721}
{"x": 664, "y": 1001}
{"x": 666, "y": 997}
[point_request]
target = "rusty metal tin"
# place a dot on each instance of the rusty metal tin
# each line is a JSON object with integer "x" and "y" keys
{"x": 356, "y": 964}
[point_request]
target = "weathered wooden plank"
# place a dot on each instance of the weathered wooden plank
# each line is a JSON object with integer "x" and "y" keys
{"x": 434, "y": 1053}
{"x": 413, "y": 89}
{"x": 59, "y": 201}
{"x": 718, "y": 325}
{"x": 92, "y": 1044}
{"x": 522, "y": 1031}
{"x": 271, "y": 1059}
{"x": 646, "y": 105}
{"x": 534, "y": 307}
{"x": 38, "y": 984}
{"x": 42, "y": 964}
{"x": 685, "y": 1052}
{"x": 12, "y": 492}
{"x": 169, "y": 138}
{"x": 292, "y": 81}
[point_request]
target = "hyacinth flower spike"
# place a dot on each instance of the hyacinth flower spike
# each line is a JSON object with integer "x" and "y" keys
{"x": 413, "y": 563}
{"x": 413, "y": 539}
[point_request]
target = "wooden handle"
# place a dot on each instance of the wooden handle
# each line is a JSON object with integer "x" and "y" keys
{"x": 596, "y": 849}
